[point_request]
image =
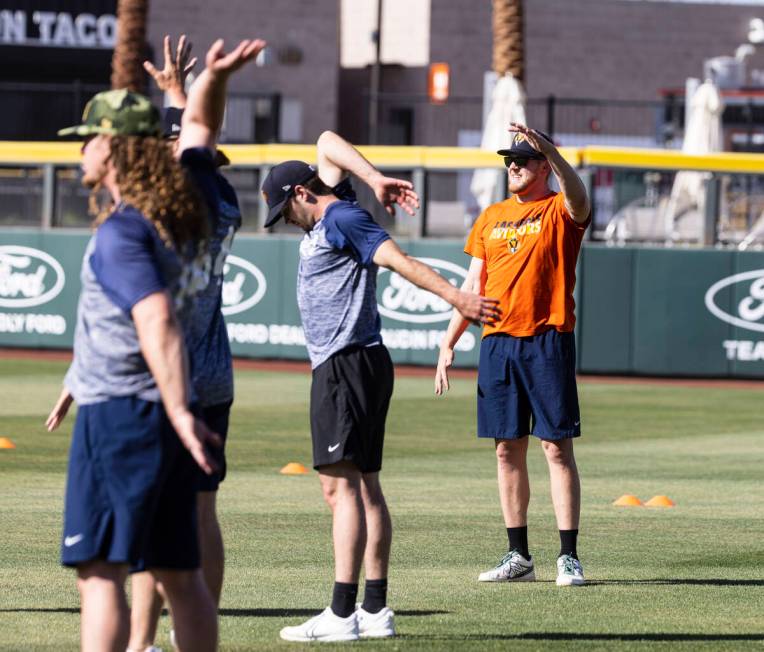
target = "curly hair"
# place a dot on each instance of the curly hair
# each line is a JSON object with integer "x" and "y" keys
{"x": 152, "y": 181}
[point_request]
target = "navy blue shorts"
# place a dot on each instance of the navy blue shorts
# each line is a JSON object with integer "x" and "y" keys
{"x": 216, "y": 417}
{"x": 130, "y": 489}
{"x": 527, "y": 385}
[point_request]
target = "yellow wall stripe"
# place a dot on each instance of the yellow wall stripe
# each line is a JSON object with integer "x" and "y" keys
{"x": 442, "y": 158}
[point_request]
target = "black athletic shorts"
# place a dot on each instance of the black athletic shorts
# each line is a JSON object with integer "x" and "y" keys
{"x": 349, "y": 398}
{"x": 216, "y": 418}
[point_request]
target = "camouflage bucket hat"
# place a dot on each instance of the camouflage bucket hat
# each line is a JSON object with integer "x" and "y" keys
{"x": 118, "y": 113}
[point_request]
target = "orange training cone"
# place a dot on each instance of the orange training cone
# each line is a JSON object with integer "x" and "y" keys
{"x": 627, "y": 500}
{"x": 6, "y": 443}
{"x": 660, "y": 501}
{"x": 294, "y": 468}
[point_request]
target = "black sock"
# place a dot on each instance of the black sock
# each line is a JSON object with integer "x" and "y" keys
{"x": 518, "y": 540}
{"x": 343, "y": 599}
{"x": 568, "y": 542}
{"x": 375, "y": 596}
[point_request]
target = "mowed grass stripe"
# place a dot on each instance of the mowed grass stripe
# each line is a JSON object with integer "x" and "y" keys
{"x": 689, "y": 577}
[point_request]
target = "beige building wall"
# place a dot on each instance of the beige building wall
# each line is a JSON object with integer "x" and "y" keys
{"x": 405, "y": 32}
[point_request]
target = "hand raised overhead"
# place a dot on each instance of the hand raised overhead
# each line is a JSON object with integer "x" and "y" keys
{"x": 177, "y": 65}
{"x": 218, "y": 62}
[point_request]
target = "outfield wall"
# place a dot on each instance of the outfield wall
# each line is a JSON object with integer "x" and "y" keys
{"x": 640, "y": 310}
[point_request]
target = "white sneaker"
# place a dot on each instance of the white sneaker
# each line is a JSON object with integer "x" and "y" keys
{"x": 569, "y": 571}
{"x": 513, "y": 567}
{"x": 378, "y": 625}
{"x": 324, "y": 627}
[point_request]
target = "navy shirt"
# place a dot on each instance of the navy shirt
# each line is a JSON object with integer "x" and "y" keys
{"x": 205, "y": 330}
{"x": 337, "y": 278}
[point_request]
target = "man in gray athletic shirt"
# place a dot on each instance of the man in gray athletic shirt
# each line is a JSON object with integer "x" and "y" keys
{"x": 352, "y": 371}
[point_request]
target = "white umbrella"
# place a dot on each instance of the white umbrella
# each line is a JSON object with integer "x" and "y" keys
{"x": 702, "y": 135}
{"x": 507, "y": 105}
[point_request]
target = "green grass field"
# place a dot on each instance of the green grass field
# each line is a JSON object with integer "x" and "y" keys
{"x": 689, "y": 577}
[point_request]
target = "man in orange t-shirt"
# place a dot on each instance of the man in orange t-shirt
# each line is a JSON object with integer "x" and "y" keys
{"x": 524, "y": 253}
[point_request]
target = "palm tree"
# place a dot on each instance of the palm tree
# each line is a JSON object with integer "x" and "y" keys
{"x": 130, "y": 50}
{"x": 508, "y": 39}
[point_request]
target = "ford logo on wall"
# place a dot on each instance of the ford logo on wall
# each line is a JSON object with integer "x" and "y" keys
{"x": 750, "y": 310}
{"x": 243, "y": 285}
{"x": 28, "y": 277}
{"x": 404, "y": 301}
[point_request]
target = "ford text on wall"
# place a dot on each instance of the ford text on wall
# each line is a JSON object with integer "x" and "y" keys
{"x": 39, "y": 286}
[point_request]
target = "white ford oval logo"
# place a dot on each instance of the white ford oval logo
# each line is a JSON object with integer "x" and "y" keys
{"x": 404, "y": 301}
{"x": 28, "y": 277}
{"x": 750, "y": 310}
{"x": 243, "y": 285}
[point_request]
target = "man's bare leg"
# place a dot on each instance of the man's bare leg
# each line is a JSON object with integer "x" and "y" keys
{"x": 145, "y": 610}
{"x": 379, "y": 528}
{"x": 566, "y": 497}
{"x": 565, "y": 483}
{"x": 514, "y": 496}
{"x": 193, "y": 611}
{"x": 104, "y": 614}
{"x": 375, "y": 619}
{"x": 341, "y": 484}
{"x": 211, "y": 543}
{"x": 514, "y": 487}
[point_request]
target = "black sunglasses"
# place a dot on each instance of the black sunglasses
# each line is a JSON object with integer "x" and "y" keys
{"x": 519, "y": 161}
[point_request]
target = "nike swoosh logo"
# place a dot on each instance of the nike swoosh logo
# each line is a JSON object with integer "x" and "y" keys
{"x": 576, "y": 423}
{"x": 71, "y": 541}
{"x": 331, "y": 449}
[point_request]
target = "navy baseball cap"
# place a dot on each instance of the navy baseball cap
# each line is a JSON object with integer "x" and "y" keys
{"x": 279, "y": 185}
{"x": 521, "y": 147}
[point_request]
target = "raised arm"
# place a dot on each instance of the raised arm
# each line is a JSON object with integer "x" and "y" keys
{"x": 337, "y": 157}
{"x": 172, "y": 78}
{"x": 162, "y": 346}
{"x": 571, "y": 186}
{"x": 474, "y": 283}
{"x": 205, "y": 108}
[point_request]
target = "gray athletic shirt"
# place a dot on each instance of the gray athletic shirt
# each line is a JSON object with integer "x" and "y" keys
{"x": 337, "y": 279}
{"x": 125, "y": 261}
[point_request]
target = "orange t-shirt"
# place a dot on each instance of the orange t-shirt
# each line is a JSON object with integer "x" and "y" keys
{"x": 530, "y": 251}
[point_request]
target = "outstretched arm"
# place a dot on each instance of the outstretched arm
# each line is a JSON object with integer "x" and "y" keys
{"x": 204, "y": 112}
{"x": 573, "y": 189}
{"x": 172, "y": 78}
{"x": 471, "y": 306}
{"x": 337, "y": 157}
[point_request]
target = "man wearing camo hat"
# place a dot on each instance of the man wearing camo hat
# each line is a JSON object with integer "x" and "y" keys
{"x": 131, "y": 485}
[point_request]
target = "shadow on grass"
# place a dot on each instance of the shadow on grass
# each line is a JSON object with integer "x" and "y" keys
{"x": 681, "y": 581}
{"x": 285, "y": 613}
{"x": 234, "y": 613}
{"x": 583, "y": 636}
{"x": 42, "y": 610}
